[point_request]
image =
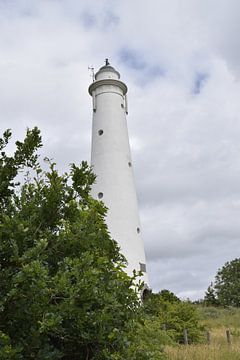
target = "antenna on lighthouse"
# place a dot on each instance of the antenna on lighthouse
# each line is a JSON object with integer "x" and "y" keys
{"x": 91, "y": 68}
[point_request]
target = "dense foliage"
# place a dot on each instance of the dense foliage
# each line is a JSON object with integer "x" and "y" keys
{"x": 64, "y": 292}
{"x": 226, "y": 288}
{"x": 210, "y": 298}
{"x": 174, "y": 316}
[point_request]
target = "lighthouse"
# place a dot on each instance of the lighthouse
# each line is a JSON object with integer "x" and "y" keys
{"x": 112, "y": 163}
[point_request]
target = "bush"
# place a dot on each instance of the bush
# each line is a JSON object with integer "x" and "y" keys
{"x": 64, "y": 292}
{"x": 174, "y": 316}
{"x": 149, "y": 340}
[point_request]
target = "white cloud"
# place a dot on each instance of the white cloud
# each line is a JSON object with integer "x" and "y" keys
{"x": 180, "y": 61}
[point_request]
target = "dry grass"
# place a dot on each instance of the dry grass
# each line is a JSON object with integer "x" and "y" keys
{"x": 217, "y": 350}
{"x": 204, "y": 352}
{"x": 218, "y": 317}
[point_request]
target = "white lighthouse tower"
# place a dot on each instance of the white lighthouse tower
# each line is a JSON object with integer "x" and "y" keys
{"x": 112, "y": 163}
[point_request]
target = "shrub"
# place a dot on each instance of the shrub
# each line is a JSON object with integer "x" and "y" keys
{"x": 174, "y": 316}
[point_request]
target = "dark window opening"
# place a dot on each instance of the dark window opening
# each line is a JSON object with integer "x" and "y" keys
{"x": 100, "y": 195}
{"x": 122, "y": 105}
{"x": 138, "y": 230}
{"x": 145, "y": 294}
{"x": 130, "y": 164}
{"x": 143, "y": 267}
{"x": 100, "y": 132}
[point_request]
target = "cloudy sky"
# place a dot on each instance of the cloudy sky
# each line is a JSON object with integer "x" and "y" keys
{"x": 181, "y": 62}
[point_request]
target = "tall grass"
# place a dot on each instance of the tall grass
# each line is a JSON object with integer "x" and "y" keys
{"x": 214, "y": 317}
{"x": 203, "y": 352}
{"x": 217, "y": 321}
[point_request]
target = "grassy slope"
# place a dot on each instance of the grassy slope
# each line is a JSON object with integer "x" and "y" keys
{"x": 217, "y": 321}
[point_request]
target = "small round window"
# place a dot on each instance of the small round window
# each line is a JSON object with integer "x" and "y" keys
{"x": 100, "y": 195}
{"x": 138, "y": 230}
{"x": 100, "y": 132}
{"x": 129, "y": 164}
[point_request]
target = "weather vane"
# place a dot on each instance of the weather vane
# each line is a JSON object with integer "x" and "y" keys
{"x": 91, "y": 68}
{"x": 107, "y": 62}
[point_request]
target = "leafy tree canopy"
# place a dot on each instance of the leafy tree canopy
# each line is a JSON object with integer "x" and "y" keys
{"x": 225, "y": 290}
{"x": 64, "y": 292}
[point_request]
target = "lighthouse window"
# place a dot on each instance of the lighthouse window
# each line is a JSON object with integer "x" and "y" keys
{"x": 100, "y": 132}
{"x": 138, "y": 230}
{"x": 122, "y": 105}
{"x": 130, "y": 164}
{"x": 143, "y": 267}
{"x": 100, "y": 195}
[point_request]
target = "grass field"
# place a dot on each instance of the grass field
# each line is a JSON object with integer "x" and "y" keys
{"x": 217, "y": 321}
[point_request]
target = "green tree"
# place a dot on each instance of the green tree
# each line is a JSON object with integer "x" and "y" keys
{"x": 226, "y": 287}
{"x": 210, "y": 296}
{"x": 169, "y": 296}
{"x": 63, "y": 290}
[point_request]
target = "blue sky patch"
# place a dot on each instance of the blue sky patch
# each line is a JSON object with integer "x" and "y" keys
{"x": 199, "y": 82}
{"x": 132, "y": 59}
{"x": 89, "y": 19}
{"x": 135, "y": 61}
{"x": 111, "y": 19}
{"x": 102, "y": 21}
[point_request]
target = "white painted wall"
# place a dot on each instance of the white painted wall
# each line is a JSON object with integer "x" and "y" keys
{"x": 111, "y": 160}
